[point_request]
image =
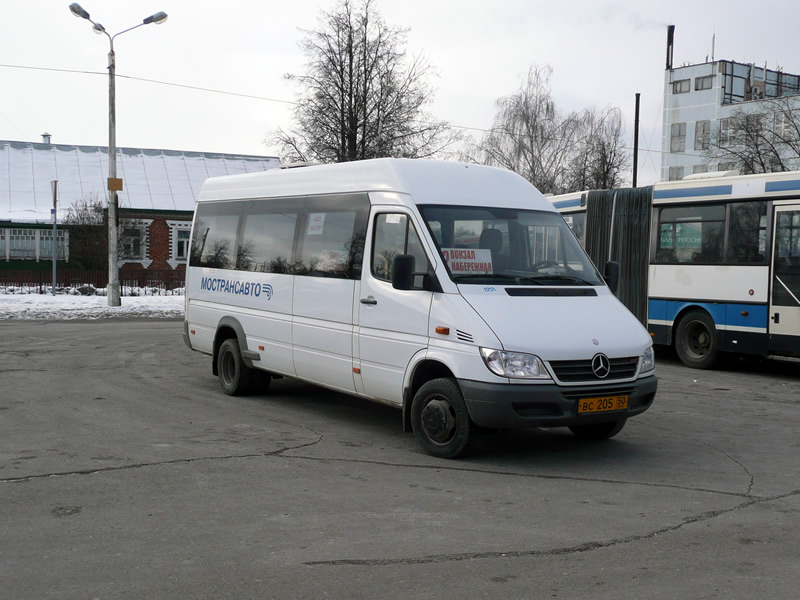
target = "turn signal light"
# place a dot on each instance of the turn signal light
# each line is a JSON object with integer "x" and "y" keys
{"x": 443, "y": 330}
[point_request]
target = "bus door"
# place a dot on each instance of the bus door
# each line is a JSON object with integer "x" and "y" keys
{"x": 784, "y": 308}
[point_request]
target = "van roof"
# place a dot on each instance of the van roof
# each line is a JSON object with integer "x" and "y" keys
{"x": 427, "y": 181}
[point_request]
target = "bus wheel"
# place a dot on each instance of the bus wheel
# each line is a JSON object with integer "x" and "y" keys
{"x": 235, "y": 377}
{"x": 440, "y": 419}
{"x": 598, "y": 431}
{"x": 696, "y": 340}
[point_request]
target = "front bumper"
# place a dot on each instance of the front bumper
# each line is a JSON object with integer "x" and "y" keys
{"x": 503, "y": 405}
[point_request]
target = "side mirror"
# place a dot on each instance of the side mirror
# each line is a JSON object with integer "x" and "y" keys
{"x": 612, "y": 275}
{"x": 403, "y": 272}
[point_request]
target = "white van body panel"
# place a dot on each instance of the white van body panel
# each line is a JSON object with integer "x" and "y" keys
{"x": 322, "y": 331}
{"x": 560, "y": 328}
{"x": 426, "y": 181}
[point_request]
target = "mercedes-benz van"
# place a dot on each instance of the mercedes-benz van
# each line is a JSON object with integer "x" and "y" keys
{"x": 452, "y": 291}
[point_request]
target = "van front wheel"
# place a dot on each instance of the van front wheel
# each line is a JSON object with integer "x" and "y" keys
{"x": 440, "y": 419}
{"x": 235, "y": 377}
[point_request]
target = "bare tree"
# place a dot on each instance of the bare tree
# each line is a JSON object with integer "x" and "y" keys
{"x": 554, "y": 151}
{"x": 359, "y": 98}
{"x": 599, "y": 156}
{"x": 88, "y": 236}
{"x": 763, "y": 141}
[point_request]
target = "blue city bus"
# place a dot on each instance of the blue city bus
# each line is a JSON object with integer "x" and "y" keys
{"x": 722, "y": 258}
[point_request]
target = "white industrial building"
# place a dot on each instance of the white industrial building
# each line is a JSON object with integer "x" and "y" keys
{"x": 698, "y": 100}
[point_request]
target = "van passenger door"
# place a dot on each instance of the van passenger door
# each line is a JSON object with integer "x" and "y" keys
{"x": 328, "y": 263}
{"x": 392, "y": 324}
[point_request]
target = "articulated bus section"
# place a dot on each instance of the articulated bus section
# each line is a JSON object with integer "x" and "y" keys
{"x": 722, "y": 259}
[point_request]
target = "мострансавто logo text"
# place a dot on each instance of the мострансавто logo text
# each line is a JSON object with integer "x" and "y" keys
{"x": 240, "y": 288}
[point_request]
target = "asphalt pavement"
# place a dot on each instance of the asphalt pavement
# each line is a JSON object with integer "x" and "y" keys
{"x": 125, "y": 472}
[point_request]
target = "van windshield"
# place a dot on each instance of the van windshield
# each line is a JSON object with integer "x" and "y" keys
{"x": 508, "y": 247}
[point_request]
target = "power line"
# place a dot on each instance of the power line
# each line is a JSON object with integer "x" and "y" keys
{"x": 263, "y": 98}
{"x": 169, "y": 83}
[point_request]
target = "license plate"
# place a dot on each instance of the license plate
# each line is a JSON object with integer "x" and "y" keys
{"x": 604, "y": 404}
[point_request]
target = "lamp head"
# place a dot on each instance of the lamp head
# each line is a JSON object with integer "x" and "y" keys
{"x": 98, "y": 29}
{"x": 157, "y": 18}
{"x": 76, "y": 10}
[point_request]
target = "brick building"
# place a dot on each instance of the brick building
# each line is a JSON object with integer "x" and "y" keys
{"x": 156, "y": 205}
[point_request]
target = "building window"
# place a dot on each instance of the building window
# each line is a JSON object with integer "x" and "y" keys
{"x": 784, "y": 128}
{"x": 675, "y": 173}
{"x": 700, "y": 169}
{"x": 22, "y": 243}
{"x": 677, "y": 142}
{"x": 681, "y": 87}
{"x": 702, "y": 133}
{"x": 182, "y": 246}
{"x": 131, "y": 243}
{"x": 703, "y": 83}
{"x": 724, "y": 132}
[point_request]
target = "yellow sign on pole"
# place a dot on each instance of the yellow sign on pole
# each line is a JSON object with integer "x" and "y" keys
{"x": 114, "y": 184}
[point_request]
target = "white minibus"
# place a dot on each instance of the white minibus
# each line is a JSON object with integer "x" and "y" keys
{"x": 454, "y": 292}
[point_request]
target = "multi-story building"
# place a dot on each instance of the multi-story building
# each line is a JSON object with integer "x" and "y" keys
{"x": 699, "y": 100}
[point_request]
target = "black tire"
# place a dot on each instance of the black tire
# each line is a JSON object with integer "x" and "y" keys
{"x": 235, "y": 377}
{"x": 598, "y": 431}
{"x": 440, "y": 419}
{"x": 696, "y": 340}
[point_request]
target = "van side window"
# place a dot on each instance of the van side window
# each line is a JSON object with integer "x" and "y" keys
{"x": 331, "y": 238}
{"x": 214, "y": 240}
{"x": 395, "y": 235}
{"x": 267, "y": 238}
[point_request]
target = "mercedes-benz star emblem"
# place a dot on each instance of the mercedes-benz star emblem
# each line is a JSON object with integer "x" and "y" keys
{"x": 601, "y": 366}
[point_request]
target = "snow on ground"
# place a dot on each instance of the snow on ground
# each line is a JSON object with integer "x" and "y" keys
{"x": 17, "y": 303}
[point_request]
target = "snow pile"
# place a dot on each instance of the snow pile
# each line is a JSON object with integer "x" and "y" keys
{"x": 22, "y": 303}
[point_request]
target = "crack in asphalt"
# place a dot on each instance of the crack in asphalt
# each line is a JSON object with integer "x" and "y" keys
{"x": 749, "y": 500}
{"x": 175, "y": 461}
{"x": 720, "y": 450}
{"x": 586, "y": 547}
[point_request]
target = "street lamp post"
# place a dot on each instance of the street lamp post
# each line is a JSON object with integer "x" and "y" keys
{"x": 114, "y": 184}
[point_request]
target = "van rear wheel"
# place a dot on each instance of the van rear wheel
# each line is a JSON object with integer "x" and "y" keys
{"x": 235, "y": 377}
{"x": 440, "y": 419}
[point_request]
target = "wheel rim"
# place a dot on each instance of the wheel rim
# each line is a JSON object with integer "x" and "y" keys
{"x": 698, "y": 340}
{"x": 438, "y": 419}
{"x": 228, "y": 368}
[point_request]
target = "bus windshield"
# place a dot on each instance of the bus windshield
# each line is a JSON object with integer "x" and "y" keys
{"x": 508, "y": 247}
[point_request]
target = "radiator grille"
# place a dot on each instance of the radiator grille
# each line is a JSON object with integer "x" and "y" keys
{"x": 581, "y": 370}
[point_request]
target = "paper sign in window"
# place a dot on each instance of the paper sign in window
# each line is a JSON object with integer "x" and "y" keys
{"x": 468, "y": 260}
{"x": 316, "y": 223}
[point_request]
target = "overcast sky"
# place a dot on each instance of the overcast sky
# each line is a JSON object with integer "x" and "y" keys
{"x": 601, "y": 54}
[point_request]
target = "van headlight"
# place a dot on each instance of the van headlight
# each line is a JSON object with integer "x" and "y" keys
{"x": 648, "y": 361}
{"x": 515, "y": 365}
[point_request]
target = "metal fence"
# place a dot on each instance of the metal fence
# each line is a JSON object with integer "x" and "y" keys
{"x": 131, "y": 282}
